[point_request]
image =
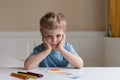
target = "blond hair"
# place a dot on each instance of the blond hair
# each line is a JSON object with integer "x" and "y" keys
{"x": 53, "y": 20}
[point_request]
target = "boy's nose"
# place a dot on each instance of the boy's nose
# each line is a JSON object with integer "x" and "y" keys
{"x": 54, "y": 40}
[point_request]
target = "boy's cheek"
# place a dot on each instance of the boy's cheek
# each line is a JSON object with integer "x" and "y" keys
{"x": 60, "y": 38}
{"x": 48, "y": 40}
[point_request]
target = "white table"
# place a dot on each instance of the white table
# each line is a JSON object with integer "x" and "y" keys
{"x": 86, "y": 73}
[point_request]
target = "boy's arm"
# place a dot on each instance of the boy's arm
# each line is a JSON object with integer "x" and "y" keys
{"x": 34, "y": 60}
{"x": 75, "y": 60}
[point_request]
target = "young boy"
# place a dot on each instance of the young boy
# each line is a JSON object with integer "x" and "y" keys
{"x": 53, "y": 52}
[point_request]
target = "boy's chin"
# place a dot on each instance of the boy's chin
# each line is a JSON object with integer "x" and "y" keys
{"x": 54, "y": 48}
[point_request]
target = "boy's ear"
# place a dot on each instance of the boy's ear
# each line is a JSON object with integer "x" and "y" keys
{"x": 41, "y": 35}
{"x": 64, "y": 36}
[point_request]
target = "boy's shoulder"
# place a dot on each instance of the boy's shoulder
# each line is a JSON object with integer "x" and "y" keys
{"x": 67, "y": 44}
{"x": 40, "y": 46}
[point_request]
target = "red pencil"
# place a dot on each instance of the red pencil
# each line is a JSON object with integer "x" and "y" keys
{"x": 37, "y": 74}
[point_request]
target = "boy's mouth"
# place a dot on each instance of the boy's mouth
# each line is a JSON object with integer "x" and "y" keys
{"x": 53, "y": 44}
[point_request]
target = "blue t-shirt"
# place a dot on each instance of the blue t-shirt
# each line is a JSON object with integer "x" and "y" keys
{"x": 55, "y": 58}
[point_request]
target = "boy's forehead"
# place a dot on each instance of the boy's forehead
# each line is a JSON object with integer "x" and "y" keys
{"x": 53, "y": 30}
{"x": 49, "y": 31}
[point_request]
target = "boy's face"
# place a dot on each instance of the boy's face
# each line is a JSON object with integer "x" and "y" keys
{"x": 53, "y": 37}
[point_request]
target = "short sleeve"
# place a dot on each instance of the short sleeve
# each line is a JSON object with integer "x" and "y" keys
{"x": 70, "y": 48}
{"x": 37, "y": 49}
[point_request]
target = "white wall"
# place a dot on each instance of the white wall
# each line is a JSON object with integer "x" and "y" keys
{"x": 112, "y": 51}
{"x": 16, "y": 46}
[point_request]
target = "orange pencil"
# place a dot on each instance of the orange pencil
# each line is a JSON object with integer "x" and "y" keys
{"x": 19, "y": 76}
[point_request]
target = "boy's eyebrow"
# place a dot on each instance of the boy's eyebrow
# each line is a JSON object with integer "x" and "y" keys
{"x": 44, "y": 33}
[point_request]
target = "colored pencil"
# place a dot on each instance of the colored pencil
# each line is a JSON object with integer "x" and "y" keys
{"x": 19, "y": 76}
{"x": 28, "y": 75}
{"x": 37, "y": 74}
{"x": 31, "y": 73}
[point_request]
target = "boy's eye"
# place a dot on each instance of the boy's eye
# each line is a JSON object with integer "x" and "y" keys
{"x": 48, "y": 36}
{"x": 58, "y": 35}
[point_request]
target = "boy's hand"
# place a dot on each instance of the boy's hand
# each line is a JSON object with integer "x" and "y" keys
{"x": 46, "y": 44}
{"x": 61, "y": 43}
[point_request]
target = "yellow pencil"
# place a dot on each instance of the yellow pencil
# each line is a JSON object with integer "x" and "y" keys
{"x": 29, "y": 76}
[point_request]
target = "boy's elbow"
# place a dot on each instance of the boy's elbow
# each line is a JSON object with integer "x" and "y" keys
{"x": 80, "y": 65}
{"x": 27, "y": 67}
